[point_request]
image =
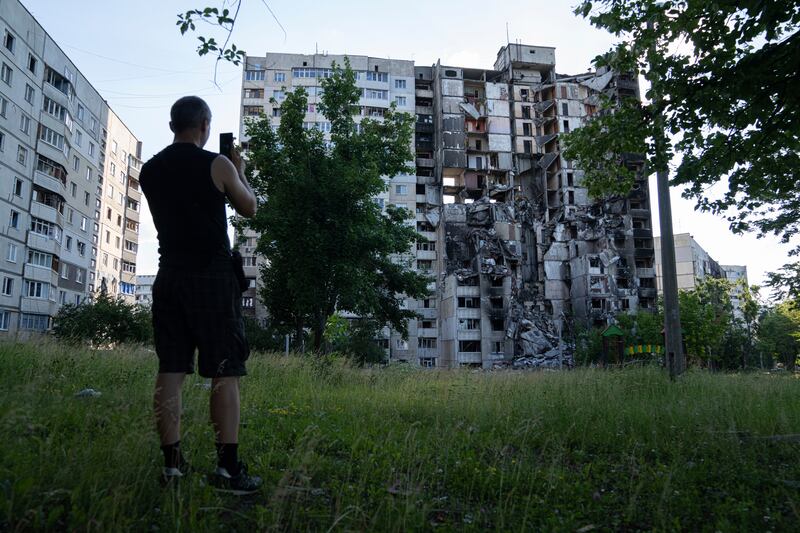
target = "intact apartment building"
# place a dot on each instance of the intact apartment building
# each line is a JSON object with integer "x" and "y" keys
{"x": 517, "y": 249}
{"x": 694, "y": 263}
{"x": 61, "y": 147}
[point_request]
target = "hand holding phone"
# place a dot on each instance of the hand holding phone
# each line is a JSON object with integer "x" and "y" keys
{"x": 226, "y": 144}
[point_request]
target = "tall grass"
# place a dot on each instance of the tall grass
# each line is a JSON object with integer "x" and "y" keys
{"x": 401, "y": 449}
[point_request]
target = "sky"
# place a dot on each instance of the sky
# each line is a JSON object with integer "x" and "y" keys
{"x": 134, "y": 55}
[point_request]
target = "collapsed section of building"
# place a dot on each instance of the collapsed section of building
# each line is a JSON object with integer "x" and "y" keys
{"x": 518, "y": 250}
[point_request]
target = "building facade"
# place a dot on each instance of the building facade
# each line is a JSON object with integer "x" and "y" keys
{"x": 517, "y": 249}
{"x": 53, "y": 130}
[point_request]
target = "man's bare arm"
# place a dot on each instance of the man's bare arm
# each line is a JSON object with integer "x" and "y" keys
{"x": 228, "y": 176}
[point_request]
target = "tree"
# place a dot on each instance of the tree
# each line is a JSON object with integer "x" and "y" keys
{"x": 722, "y": 76}
{"x": 103, "y": 320}
{"x": 779, "y": 334}
{"x": 329, "y": 247}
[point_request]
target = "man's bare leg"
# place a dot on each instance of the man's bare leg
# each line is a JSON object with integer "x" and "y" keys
{"x": 225, "y": 419}
{"x": 167, "y": 406}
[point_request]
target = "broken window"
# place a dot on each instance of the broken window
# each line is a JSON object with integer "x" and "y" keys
{"x": 469, "y": 282}
{"x": 564, "y": 91}
{"x": 253, "y": 111}
{"x": 424, "y": 226}
{"x": 594, "y": 262}
{"x": 647, "y": 283}
{"x": 564, "y": 108}
{"x": 496, "y": 302}
{"x": 598, "y": 303}
{"x": 469, "y": 346}
{"x": 523, "y": 93}
{"x": 527, "y": 147}
{"x": 426, "y": 246}
{"x": 570, "y": 180}
{"x": 598, "y": 285}
{"x": 623, "y": 283}
{"x": 498, "y": 347}
{"x": 626, "y": 304}
{"x": 497, "y": 282}
{"x": 429, "y": 303}
{"x": 526, "y": 111}
{"x": 469, "y": 303}
{"x": 425, "y": 265}
{"x": 526, "y": 129}
{"x": 497, "y": 324}
{"x": 426, "y": 324}
{"x": 427, "y": 362}
{"x": 643, "y": 243}
{"x": 566, "y": 126}
{"x": 644, "y": 263}
{"x": 420, "y": 188}
{"x": 641, "y": 223}
{"x": 571, "y": 197}
{"x": 400, "y": 344}
{"x": 469, "y": 324}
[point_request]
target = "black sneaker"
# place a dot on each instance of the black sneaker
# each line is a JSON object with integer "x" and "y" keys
{"x": 239, "y": 485}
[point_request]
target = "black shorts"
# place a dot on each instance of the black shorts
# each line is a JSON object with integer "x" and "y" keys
{"x": 202, "y": 310}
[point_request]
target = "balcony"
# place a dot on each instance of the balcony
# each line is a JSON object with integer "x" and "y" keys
{"x": 135, "y": 194}
{"x": 427, "y": 352}
{"x": 643, "y": 253}
{"x": 130, "y": 214}
{"x": 38, "y": 306}
{"x": 40, "y": 273}
{"x": 43, "y": 243}
{"x": 467, "y": 312}
{"x": 647, "y": 292}
{"x": 646, "y": 272}
{"x": 639, "y": 213}
{"x": 468, "y": 291}
{"x": 426, "y": 255}
{"x": 129, "y": 256}
{"x": 469, "y": 334}
{"x": 424, "y": 110}
{"x": 45, "y": 212}
{"x": 424, "y": 93}
{"x": 642, "y": 233}
{"x": 428, "y": 313}
{"x": 50, "y": 183}
{"x": 425, "y": 162}
{"x": 427, "y": 332}
{"x": 469, "y": 357}
{"x": 423, "y": 127}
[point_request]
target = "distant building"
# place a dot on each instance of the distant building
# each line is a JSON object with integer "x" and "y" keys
{"x": 693, "y": 263}
{"x": 144, "y": 290}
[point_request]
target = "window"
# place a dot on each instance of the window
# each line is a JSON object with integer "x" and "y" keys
{"x": 8, "y": 41}
{"x": 399, "y": 84}
{"x": 3, "y": 107}
{"x": 46, "y": 229}
{"x": 377, "y": 76}
{"x": 129, "y": 267}
{"x": 89, "y": 174}
{"x": 131, "y": 246}
{"x": 68, "y": 243}
{"x": 111, "y": 191}
{"x": 469, "y": 346}
{"x": 312, "y": 72}
{"x": 80, "y": 113}
{"x": 133, "y": 205}
{"x": 278, "y": 95}
{"x": 108, "y": 233}
{"x": 81, "y": 248}
{"x": 91, "y": 149}
{"x": 78, "y": 138}
{"x": 29, "y": 93}
{"x": 566, "y": 126}
{"x": 70, "y": 215}
{"x": 5, "y": 74}
{"x": 254, "y": 75}
{"x": 36, "y": 289}
{"x": 121, "y": 199}
{"x": 32, "y": 63}
{"x": 376, "y": 94}
{"x": 119, "y": 220}
{"x": 116, "y": 245}
{"x": 105, "y": 259}
{"x": 22, "y": 155}
{"x": 254, "y": 111}
{"x": 8, "y": 286}
{"x": 113, "y": 168}
{"x": 254, "y": 93}
{"x": 2, "y": 141}
{"x": 54, "y": 139}
{"x": 280, "y": 76}
{"x": 127, "y": 288}
{"x": 401, "y": 344}
{"x": 426, "y": 342}
{"x": 402, "y": 101}
{"x": 86, "y": 198}
{"x": 40, "y": 259}
{"x": 76, "y": 163}
{"x": 527, "y": 147}
{"x": 469, "y": 303}
{"x": 11, "y": 253}
{"x": 247, "y": 301}
{"x": 401, "y": 189}
{"x": 93, "y": 125}
{"x": 113, "y": 150}
{"x": 14, "y": 220}
{"x": 17, "y": 187}
{"x": 34, "y": 322}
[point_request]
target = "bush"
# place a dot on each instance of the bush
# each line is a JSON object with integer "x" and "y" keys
{"x": 104, "y": 320}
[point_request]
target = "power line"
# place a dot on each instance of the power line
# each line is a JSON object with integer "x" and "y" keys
{"x": 158, "y": 69}
{"x": 125, "y": 95}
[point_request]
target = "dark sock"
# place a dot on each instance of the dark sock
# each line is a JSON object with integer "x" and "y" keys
{"x": 172, "y": 455}
{"x": 228, "y": 457}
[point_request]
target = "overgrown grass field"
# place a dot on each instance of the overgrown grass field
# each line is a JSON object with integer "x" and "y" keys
{"x": 397, "y": 448}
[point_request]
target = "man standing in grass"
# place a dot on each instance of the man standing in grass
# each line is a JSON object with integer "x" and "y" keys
{"x": 196, "y": 296}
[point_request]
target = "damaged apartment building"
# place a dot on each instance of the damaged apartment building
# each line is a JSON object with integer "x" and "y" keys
{"x": 518, "y": 250}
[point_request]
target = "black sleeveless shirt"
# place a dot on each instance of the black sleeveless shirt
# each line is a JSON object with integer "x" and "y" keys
{"x": 188, "y": 210}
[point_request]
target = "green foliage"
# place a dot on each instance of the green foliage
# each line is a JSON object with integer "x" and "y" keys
{"x": 722, "y": 78}
{"x": 706, "y": 316}
{"x": 263, "y": 338}
{"x": 400, "y": 449}
{"x": 785, "y": 283}
{"x": 779, "y": 334}
{"x": 588, "y": 345}
{"x": 103, "y": 320}
{"x": 328, "y": 245}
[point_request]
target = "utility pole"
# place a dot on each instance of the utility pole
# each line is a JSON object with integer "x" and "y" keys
{"x": 673, "y": 337}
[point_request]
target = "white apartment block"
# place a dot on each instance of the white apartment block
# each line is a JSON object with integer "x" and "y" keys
{"x": 382, "y": 81}
{"x": 54, "y": 132}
